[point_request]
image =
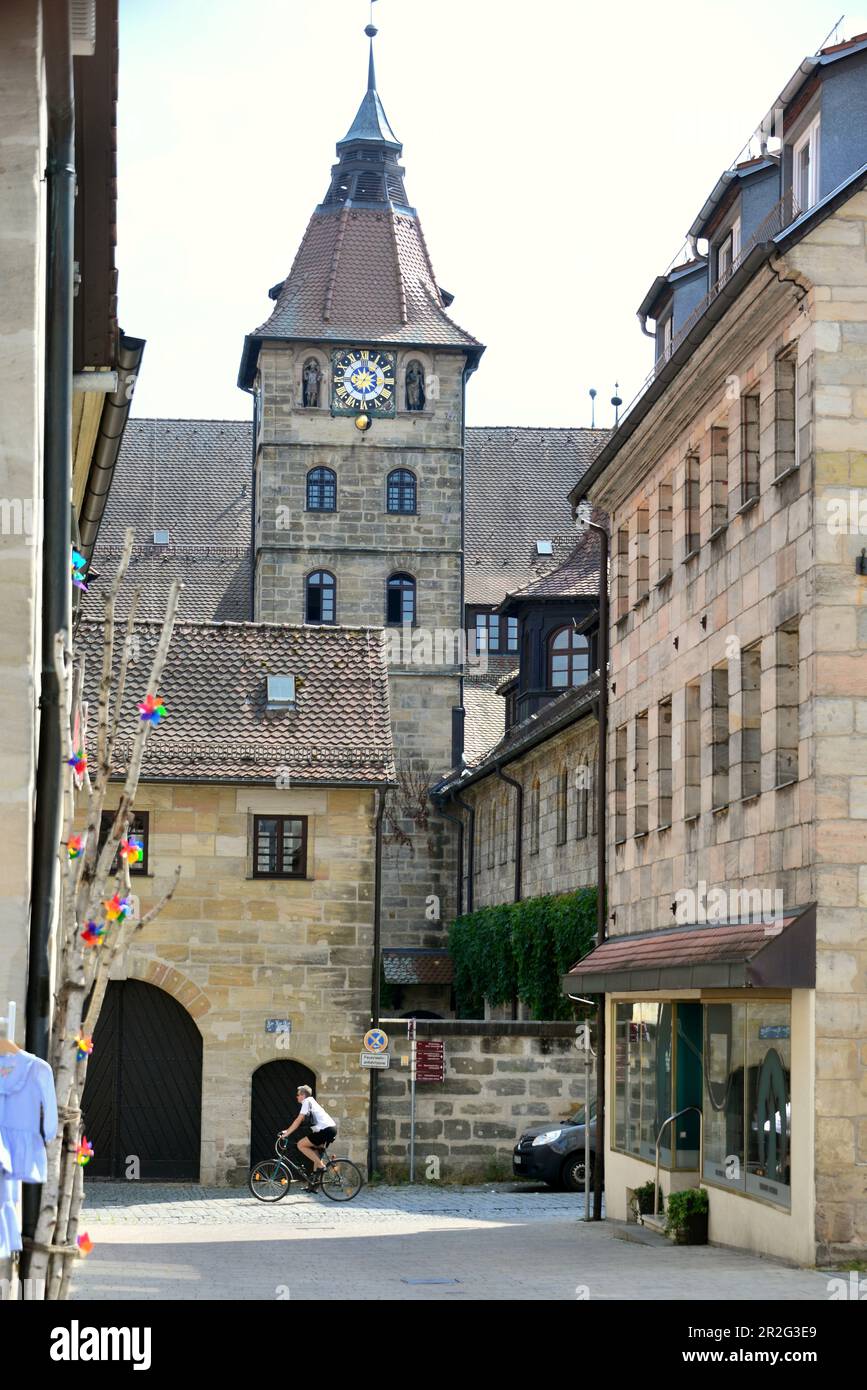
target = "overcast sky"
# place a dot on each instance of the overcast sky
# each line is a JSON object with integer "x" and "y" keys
{"x": 557, "y": 152}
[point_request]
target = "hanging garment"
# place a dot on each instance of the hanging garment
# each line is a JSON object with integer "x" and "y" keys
{"x": 10, "y": 1235}
{"x": 28, "y": 1115}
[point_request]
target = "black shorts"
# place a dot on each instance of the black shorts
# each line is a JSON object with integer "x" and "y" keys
{"x": 322, "y": 1136}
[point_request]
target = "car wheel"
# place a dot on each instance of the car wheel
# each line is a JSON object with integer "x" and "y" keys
{"x": 572, "y": 1173}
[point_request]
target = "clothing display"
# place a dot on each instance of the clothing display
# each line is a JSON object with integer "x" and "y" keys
{"x": 28, "y": 1115}
{"x": 10, "y": 1235}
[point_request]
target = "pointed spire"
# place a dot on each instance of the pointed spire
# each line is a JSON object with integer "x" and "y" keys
{"x": 371, "y": 122}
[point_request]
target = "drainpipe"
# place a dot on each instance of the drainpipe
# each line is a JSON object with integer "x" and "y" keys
{"x": 601, "y": 832}
{"x": 519, "y": 826}
{"x": 377, "y": 974}
{"x": 471, "y": 844}
{"x": 56, "y": 538}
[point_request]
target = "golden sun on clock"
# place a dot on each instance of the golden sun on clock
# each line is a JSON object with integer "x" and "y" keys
{"x": 362, "y": 382}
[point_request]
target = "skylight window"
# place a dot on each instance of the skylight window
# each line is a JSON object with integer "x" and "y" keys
{"x": 161, "y": 537}
{"x": 281, "y": 692}
{"x": 544, "y": 547}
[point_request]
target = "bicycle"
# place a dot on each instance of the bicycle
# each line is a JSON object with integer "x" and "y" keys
{"x": 271, "y": 1178}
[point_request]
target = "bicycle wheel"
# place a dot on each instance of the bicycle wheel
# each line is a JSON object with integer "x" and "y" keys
{"x": 269, "y": 1180}
{"x": 341, "y": 1180}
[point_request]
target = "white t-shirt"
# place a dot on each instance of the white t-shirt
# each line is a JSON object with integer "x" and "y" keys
{"x": 319, "y": 1118}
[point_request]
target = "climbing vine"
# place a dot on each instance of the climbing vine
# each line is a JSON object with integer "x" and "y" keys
{"x": 521, "y": 951}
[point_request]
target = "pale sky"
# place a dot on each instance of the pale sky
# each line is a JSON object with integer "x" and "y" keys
{"x": 556, "y": 151}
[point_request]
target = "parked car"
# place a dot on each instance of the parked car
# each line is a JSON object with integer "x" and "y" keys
{"x": 554, "y": 1153}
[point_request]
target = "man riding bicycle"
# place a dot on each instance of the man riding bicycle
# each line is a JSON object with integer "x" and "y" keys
{"x": 321, "y": 1129}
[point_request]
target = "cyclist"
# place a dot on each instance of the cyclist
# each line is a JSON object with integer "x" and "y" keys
{"x": 321, "y": 1129}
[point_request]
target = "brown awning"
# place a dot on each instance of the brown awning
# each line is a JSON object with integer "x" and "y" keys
{"x": 706, "y": 955}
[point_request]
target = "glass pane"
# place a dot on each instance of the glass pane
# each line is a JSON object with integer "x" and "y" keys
{"x": 724, "y": 1048}
{"x": 408, "y": 604}
{"x": 328, "y": 604}
{"x": 768, "y": 1169}
{"x": 513, "y": 634}
{"x": 291, "y": 850}
{"x": 266, "y": 847}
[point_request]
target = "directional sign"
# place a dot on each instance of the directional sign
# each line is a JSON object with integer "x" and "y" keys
{"x": 375, "y": 1040}
{"x": 429, "y": 1060}
{"x": 377, "y": 1060}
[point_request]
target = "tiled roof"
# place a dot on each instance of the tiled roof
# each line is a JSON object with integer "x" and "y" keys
{"x": 518, "y": 484}
{"x": 484, "y": 719}
{"x": 214, "y": 689}
{"x": 576, "y": 577}
{"x": 417, "y": 966}
{"x": 565, "y": 709}
{"x": 363, "y": 274}
{"x": 192, "y": 478}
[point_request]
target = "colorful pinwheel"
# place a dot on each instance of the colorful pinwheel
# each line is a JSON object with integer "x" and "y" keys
{"x": 117, "y": 908}
{"x": 74, "y": 846}
{"x": 79, "y": 566}
{"x": 78, "y": 763}
{"x": 93, "y": 933}
{"x": 84, "y": 1046}
{"x": 152, "y": 709}
{"x": 84, "y": 1243}
{"x": 84, "y": 1152}
{"x": 131, "y": 850}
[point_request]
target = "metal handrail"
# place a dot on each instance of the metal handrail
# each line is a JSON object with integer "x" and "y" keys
{"x": 676, "y": 1116}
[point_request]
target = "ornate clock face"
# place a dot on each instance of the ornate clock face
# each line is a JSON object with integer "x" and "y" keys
{"x": 362, "y": 382}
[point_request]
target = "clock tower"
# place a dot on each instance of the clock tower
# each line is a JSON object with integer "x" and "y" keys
{"x": 358, "y": 378}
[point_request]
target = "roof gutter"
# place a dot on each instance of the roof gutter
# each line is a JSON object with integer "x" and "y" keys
{"x": 115, "y": 413}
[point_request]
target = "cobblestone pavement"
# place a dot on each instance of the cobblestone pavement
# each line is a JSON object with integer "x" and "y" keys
{"x": 396, "y": 1243}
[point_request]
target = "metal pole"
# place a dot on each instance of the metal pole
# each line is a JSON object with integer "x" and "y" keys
{"x": 601, "y": 885}
{"x": 587, "y": 1135}
{"x": 410, "y": 1026}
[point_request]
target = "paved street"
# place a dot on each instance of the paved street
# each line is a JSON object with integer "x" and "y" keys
{"x": 471, "y": 1243}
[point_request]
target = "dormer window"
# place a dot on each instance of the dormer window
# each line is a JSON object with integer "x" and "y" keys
{"x": 664, "y": 337}
{"x": 805, "y": 169}
{"x": 568, "y": 659}
{"x": 727, "y": 252}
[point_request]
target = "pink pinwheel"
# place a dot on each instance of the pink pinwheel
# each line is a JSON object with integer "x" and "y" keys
{"x": 84, "y": 1243}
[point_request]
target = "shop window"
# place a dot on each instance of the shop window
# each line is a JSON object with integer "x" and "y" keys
{"x": 747, "y": 1098}
{"x": 658, "y": 1071}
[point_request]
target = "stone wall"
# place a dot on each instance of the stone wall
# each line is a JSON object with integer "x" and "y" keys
{"x": 22, "y": 254}
{"x": 833, "y": 260}
{"x": 235, "y": 950}
{"x": 500, "y": 1079}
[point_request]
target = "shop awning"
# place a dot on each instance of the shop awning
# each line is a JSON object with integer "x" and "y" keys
{"x": 704, "y": 955}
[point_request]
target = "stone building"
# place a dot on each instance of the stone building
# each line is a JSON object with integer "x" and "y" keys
{"x": 68, "y": 377}
{"x": 734, "y": 967}
{"x": 258, "y": 974}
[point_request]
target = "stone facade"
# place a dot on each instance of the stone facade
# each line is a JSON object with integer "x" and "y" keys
{"x": 22, "y": 242}
{"x": 235, "y": 950}
{"x": 362, "y": 544}
{"x": 738, "y": 676}
{"x": 562, "y": 856}
{"x": 497, "y": 1084}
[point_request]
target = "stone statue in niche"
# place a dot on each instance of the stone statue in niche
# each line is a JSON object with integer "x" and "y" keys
{"x": 311, "y": 381}
{"x": 415, "y": 399}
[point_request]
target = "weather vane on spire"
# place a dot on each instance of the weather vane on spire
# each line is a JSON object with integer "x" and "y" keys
{"x": 371, "y": 31}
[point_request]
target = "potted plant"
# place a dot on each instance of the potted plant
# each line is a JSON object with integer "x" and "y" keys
{"x": 642, "y": 1201}
{"x": 686, "y": 1220}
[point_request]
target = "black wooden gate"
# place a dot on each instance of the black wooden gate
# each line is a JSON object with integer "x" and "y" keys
{"x": 143, "y": 1095}
{"x": 274, "y": 1106}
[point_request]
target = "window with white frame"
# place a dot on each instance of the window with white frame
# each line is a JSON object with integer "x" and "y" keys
{"x": 805, "y": 168}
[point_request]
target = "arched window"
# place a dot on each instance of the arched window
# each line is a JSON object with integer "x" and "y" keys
{"x": 535, "y": 810}
{"x": 321, "y": 600}
{"x": 562, "y": 805}
{"x": 322, "y": 490}
{"x": 568, "y": 659}
{"x": 415, "y": 392}
{"x": 400, "y": 491}
{"x": 400, "y": 600}
{"x": 582, "y": 797}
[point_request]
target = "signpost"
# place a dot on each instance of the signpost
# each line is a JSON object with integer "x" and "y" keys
{"x": 410, "y": 1033}
{"x": 430, "y": 1060}
{"x": 376, "y": 1061}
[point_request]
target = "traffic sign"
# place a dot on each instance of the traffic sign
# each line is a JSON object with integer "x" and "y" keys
{"x": 375, "y": 1040}
{"x": 376, "y": 1060}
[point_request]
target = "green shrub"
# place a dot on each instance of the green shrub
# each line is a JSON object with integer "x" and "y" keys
{"x": 520, "y": 951}
{"x": 642, "y": 1199}
{"x": 693, "y": 1201}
